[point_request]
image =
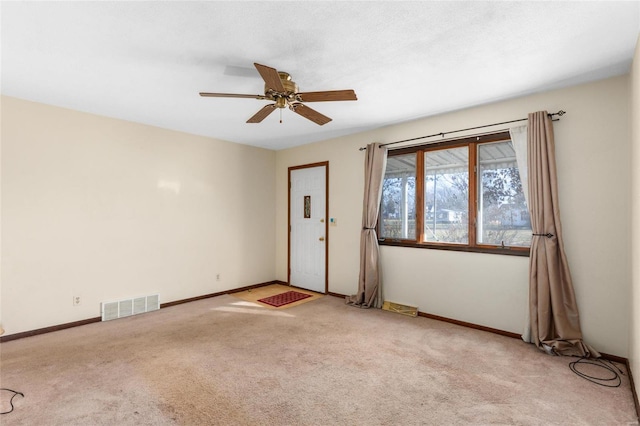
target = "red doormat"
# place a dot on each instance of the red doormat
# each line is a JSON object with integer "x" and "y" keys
{"x": 284, "y": 298}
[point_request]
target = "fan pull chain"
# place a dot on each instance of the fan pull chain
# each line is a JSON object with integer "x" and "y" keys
{"x": 280, "y": 115}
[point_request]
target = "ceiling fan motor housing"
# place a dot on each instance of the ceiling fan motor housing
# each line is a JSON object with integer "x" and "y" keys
{"x": 282, "y": 99}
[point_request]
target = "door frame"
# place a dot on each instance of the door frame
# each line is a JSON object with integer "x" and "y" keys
{"x": 326, "y": 220}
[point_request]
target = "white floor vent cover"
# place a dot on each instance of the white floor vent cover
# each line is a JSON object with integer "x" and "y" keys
{"x": 128, "y": 307}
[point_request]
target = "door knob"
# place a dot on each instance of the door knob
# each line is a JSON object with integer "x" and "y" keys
{"x": 321, "y": 238}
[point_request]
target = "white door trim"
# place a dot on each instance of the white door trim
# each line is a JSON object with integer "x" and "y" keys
{"x": 326, "y": 222}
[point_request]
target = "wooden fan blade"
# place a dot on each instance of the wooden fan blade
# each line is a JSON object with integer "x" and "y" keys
{"x": 310, "y": 114}
{"x": 270, "y": 77}
{"x": 231, "y": 95}
{"x": 262, "y": 114}
{"x": 331, "y": 95}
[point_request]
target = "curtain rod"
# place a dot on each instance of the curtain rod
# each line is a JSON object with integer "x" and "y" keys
{"x": 559, "y": 114}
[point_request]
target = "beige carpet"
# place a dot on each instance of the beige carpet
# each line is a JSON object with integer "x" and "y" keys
{"x": 227, "y": 361}
{"x": 254, "y": 295}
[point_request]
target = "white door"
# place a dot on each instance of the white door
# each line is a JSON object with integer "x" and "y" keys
{"x": 307, "y": 237}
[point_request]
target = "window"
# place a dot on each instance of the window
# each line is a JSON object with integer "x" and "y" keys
{"x": 463, "y": 194}
{"x": 446, "y": 195}
{"x": 503, "y": 214}
{"x": 399, "y": 202}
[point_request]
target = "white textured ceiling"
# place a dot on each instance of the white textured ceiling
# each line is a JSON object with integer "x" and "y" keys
{"x": 147, "y": 61}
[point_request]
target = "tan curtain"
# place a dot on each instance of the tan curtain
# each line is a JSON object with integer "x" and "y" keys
{"x": 369, "y": 283}
{"x": 555, "y": 323}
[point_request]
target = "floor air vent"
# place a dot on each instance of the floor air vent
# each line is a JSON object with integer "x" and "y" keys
{"x": 411, "y": 311}
{"x": 128, "y": 307}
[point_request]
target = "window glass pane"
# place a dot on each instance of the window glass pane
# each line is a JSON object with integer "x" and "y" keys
{"x": 503, "y": 217}
{"x": 446, "y": 195}
{"x": 398, "y": 206}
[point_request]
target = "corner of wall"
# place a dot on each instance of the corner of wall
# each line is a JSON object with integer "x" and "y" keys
{"x": 634, "y": 320}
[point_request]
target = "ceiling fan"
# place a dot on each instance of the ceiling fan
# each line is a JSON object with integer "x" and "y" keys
{"x": 279, "y": 87}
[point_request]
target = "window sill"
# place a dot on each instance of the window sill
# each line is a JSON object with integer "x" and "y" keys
{"x": 507, "y": 251}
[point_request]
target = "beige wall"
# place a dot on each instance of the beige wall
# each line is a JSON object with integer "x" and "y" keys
{"x": 106, "y": 209}
{"x": 593, "y": 147}
{"x": 634, "y": 335}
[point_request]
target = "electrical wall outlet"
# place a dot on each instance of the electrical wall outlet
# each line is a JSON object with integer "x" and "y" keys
{"x": 76, "y": 300}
